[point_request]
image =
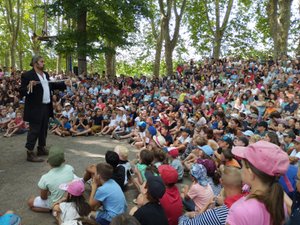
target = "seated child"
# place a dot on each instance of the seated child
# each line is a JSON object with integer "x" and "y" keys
{"x": 74, "y": 206}
{"x": 106, "y": 193}
{"x": 64, "y": 128}
{"x": 81, "y": 126}
{"x": 112, "y": 158}
{"x": 59, "y": 173}
{"x": 122, "y": 151}
{"x": 16, "y": 125}
{"x": 200, "y": 193}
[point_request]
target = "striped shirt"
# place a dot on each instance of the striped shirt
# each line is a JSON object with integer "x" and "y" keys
{"x": 215, "y": 216}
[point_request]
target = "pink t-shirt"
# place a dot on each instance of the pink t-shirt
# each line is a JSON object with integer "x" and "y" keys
{"x": 248, "y": 212}
{"x": 200, "y": 195}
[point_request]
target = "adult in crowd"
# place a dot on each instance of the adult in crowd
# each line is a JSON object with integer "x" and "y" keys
{"x": 35, "y": 86}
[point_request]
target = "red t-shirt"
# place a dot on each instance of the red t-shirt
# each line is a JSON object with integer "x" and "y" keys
{"x": 230, "y": 200}
{"x": 172, "y": 205}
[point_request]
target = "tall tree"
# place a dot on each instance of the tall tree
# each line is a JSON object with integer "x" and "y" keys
{"x": 13, "y": 15}
{"x": 279, "y": 17}
{"x": 206, "y": 23}
{"x": 166, "y": 9}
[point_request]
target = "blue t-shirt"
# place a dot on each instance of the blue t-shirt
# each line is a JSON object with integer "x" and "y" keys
{"x": 112, "y": 198}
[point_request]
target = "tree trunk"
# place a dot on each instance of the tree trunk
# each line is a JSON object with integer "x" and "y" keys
{"x": 169, "y": 60}
{"x": 217, "y": 46}
{"x": 58, "y": 61}
{"x": 20, "y": 53}
{"x": 13, "y": 54}
{"x": 82, "y": 40}
{"x": 158, "y": 47}
{"x": 279, "y": 18}
{"x": 110, "y": 63}
{"x": 170, "y": 43}
{"x": 6, "y": 59}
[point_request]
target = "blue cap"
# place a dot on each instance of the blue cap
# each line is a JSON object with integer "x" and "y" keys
{"x": 207, "y": 150}
{"x": 152, "y": 130}
{"x": 10, "y": 219}
{"x": 142, "y": 124}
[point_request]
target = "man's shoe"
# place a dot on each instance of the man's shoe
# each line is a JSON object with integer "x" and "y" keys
{"x": 42, "y": 151}
{"x": 32, "y": 158}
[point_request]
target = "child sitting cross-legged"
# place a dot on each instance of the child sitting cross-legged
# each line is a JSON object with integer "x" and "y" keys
{"x": 16, "y": 125}
{"x": 74, "y": 206}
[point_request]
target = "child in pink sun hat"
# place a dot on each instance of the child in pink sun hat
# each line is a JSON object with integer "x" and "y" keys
{"x": 262, "y": 164}
{"x": 74, "y": 206}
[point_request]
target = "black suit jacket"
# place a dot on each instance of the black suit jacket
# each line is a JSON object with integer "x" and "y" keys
{"x": 34, "y": 100}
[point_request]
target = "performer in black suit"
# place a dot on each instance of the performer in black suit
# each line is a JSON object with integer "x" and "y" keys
{"x": 36, "y": 87}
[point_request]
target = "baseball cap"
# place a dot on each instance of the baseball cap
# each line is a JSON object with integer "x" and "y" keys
{"x": 227, "y": 139}
{"x": 120, "y": 108}
{"x": 152, "y": 130}
{"x": 75, "y": 187}
{"x": 264, "y": 156}
{"x": 168, "y": 174}
{"x": 155, "y": 185}
{"x": 199, "y": 172}
{"x": 67, "y": 104}
{"x": 290, "y": 134}
{"x": 142, "y": 124}
{"x": 248, "y": 133}
{"x": 207, "y": 150}
{"x": 10, "y": 219}
{"x": 191, "y": 120}
{"x": 159, "y": 140}
{"x": 56, "y": 156}
{"x": 174, "y": 152}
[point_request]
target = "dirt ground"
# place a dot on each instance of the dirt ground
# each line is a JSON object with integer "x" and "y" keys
{"x": 19, "y": 178}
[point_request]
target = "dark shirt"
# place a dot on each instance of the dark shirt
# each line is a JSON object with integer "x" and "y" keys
{"x": 119, "y": 176}
{"x": 151, "y": 214}
{"x": 291, "y": 107}
{"x": 97, "y": 120}
{"x": 295, "y": 215}
{"x": 85, "y": 122}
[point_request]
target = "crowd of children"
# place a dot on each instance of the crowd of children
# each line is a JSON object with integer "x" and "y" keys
{"x": 231, "y": 127}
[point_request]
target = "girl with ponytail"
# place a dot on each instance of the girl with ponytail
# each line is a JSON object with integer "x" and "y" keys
{"x": 262, "y": 164}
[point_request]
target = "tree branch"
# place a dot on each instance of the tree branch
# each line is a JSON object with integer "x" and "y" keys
{"x": 226, "y": 18}
{"x": 207, "y": 17}
{"x": 161, "y": 7}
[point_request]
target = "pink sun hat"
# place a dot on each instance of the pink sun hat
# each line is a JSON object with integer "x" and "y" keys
{"x": 75, "y": 187}
{"x": 264, "y": 156}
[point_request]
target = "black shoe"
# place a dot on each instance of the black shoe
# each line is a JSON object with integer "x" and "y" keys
{"x": 42, "y": 151}
{"x": 32, "y": 158}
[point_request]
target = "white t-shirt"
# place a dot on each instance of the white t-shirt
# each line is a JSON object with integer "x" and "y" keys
{"x": 46, "y": 89}
{"x": 69, "y": 213}
{"x": 294, "y": 153}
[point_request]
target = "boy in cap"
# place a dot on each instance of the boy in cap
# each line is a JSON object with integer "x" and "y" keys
{"x": 151, "y": 212}
{"x": 59, "y": 173}
{"x": 172, "y": 195}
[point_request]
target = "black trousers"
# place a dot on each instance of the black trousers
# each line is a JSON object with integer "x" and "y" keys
{"x": 38, "y": 131}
